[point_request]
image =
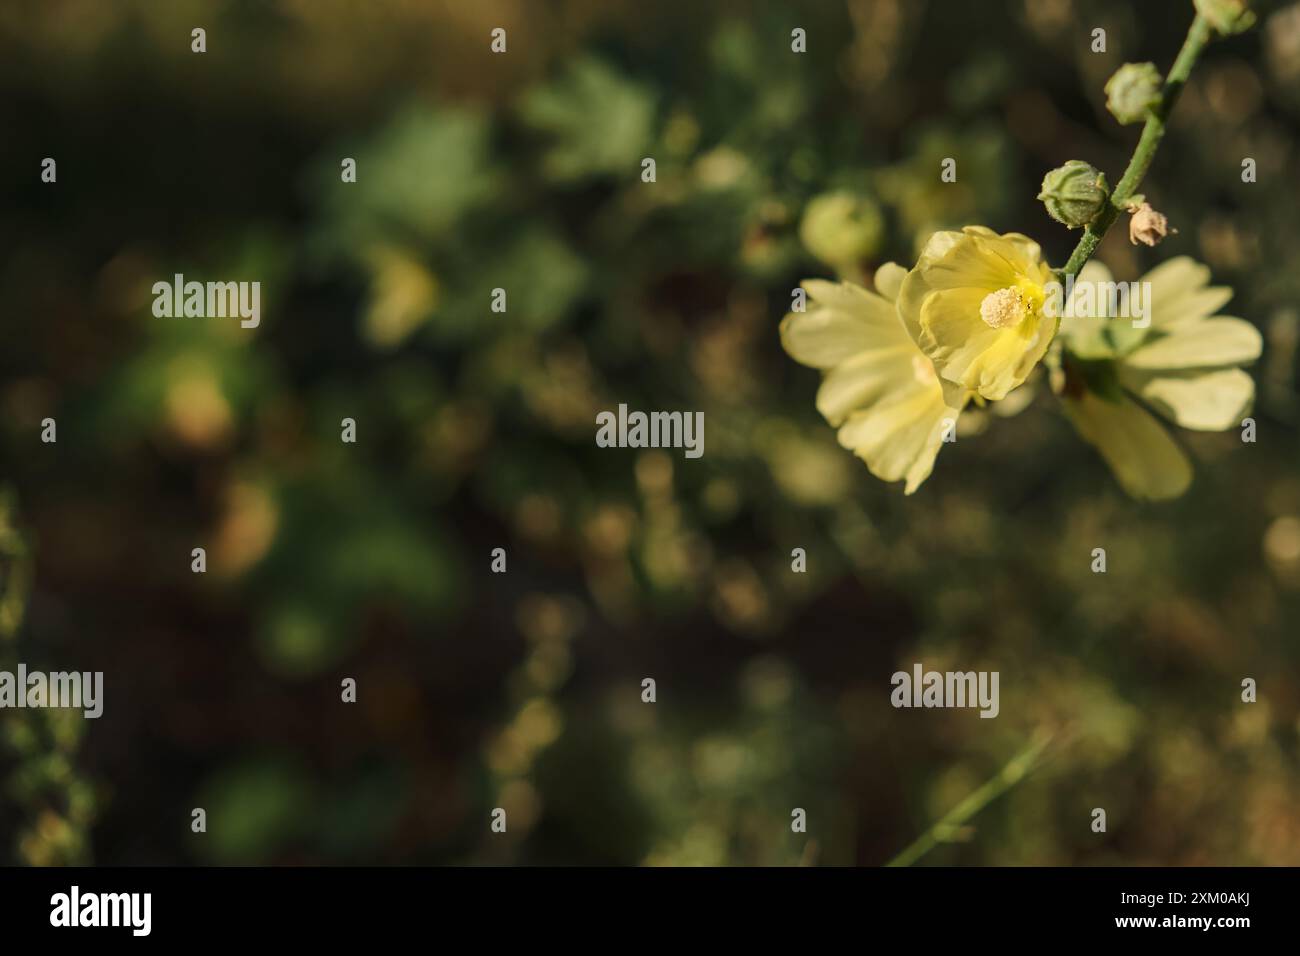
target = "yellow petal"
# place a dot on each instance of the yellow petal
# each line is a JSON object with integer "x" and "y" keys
{"x": 1142, "y": 455}
{"x": 842, "y": 321}
{"x": 940, "y": 305}
{"x": 901, "y": 437}
{"x": 1024, "y": 255}
{"x": 1204, "y": 401}
{"x": 889, "y": 277}
{"x": 951, "y": 260}
{"x": 1199, "y": 344}
{"x": 1180, "y": 292}
{"x": 988, "y": 361}
{"x": 1084, "y": 333}
{"x": 952, "y": 331}
{"x": 978, "y": 261}
{"x": 954, "y": 395}
{"x": 867, "y": 377}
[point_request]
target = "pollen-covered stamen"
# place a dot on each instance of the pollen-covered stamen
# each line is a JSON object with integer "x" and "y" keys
{"x": 923, "y": 370}
{"x": 1003, "y": 309}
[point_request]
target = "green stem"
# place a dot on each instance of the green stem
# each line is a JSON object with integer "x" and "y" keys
{"x": 1006, "y": 778}
{"x": 1152, "y": 133}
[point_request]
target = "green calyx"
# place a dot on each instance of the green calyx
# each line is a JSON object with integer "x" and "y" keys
{"x": 1133, "y": 91}
{"x": 1074, "y": 193}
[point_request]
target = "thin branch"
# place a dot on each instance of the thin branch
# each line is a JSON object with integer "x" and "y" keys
{"x": 942, "y": 832}
{"x": 1198, "y": 35}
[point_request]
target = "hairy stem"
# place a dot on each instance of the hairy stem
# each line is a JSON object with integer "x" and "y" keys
{"x": 943, "y": 831}
{"x": 1198, "y": 35}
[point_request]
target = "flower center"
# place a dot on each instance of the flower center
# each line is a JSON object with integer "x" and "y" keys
{"x": 1003, "y": 309}
{"x": 923, "y": 370}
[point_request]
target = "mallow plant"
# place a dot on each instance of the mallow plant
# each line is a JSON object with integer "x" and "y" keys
{"x": 979, "y": 311}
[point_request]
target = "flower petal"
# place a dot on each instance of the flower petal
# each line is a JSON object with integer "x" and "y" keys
{"x": 1204, "y": 401}
{"x": 1144, "y": 458}
{"x": 900, "y": 438}
{"x": 951, "y": 260}
{"x": 981, "y": 262}
{"x": 1180, "y": 292}
{"x": 940, "y": 304}
{"x": 1082, "y": 328}
{"x": 1024, "y": 255}
{"x": 866, "y": 378}
{"x": 1199, "y": 344}
{"x": 889, "y": 277}
{"x": 842, "y": 321}
{"x": 988, "y": 361}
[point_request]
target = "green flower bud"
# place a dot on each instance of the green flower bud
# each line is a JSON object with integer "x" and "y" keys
{"x": 842, "y": 228}
{"x": 1132, "y": 91}
{"x": 1226, "y": 16}
{"x": 1074, "y": 193}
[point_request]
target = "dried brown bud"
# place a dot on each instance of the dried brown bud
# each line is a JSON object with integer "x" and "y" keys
{"x": 1147, "y": 226}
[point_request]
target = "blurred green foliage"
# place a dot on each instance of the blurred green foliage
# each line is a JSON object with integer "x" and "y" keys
{"x": 475, "y": 431}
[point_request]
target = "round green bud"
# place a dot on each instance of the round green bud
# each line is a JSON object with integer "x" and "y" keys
{"x": 842, "y": 228}
{"x": 1133, "y": 91}
{"x": 1227, "y": 16}
{"x": 1074, "y": 193}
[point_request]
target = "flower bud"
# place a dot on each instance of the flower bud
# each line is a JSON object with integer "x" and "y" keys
{"x": 1132, "y": 91}
{"x": 842, "y": 228}
{"x": 1074, "y": 193}
{"x": 1226, "y": 16}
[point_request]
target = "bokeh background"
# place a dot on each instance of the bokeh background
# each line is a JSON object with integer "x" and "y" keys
{"x": 476, "y": 431}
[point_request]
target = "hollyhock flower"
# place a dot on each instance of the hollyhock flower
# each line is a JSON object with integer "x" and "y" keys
{"x": 974, "y": 305}
{"x": 1184, "y": 367}
{"x": 878, "y": 388}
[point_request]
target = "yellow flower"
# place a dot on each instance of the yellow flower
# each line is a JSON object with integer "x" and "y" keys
{"x": 1184, "y": 366}
{"x": 974, "y": 305}
{"x": 878, "y": 389}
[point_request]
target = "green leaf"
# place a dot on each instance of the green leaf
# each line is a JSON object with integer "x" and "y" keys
{"x": 598, "y": 122}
